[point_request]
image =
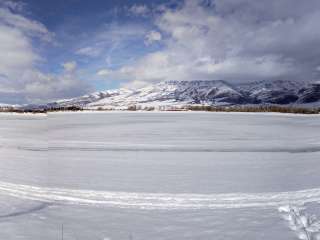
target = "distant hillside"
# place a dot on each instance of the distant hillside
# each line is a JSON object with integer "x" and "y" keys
{"x": 181, "y": 94}
{"x": 214, "y": 93}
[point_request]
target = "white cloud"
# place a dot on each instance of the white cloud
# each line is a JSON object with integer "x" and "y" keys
{"x": 69, "y": 67}
{"x": 107, "y": 38}
{"x": 139, "y": 10}
{"x": 104, "y": 72}
{"x": 13, "y": 5}
{"x": 21, "y": 80}
{"x": 89, "y": 51}
{"x": 152, "y": 36}
{"x": 118, "y": 32}
{"x": 27, "y": 26}
{"x": 233, "y": 40}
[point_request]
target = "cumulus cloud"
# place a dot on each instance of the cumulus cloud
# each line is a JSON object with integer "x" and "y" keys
{"x": 241, "y": 40}
{"x": 152, "y": 36}
{"x": 69, "y": 67}
{"x": 25, "y": 25}
{"x": 21, "y": 80}
{"x": 104, "y": 72}
{"x": 139, "y": 10}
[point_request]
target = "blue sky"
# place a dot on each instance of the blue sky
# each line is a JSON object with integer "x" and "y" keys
{"x": 66, "y": 48}
{"x": 77, "y": 24}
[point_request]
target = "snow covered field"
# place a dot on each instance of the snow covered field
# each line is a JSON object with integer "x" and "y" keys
{"x": 157, "y": 175}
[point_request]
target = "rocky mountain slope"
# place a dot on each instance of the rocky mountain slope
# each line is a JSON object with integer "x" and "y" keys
{"x": 179, "y": 93}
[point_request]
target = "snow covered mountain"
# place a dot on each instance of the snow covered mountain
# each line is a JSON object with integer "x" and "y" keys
{"x": 179, "y": 93}
{"x": 310, "y": 93}
{"x": 168, "y": 93}
{"x": 276, "y": 92}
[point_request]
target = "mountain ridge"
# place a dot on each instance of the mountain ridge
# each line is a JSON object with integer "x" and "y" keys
{"x": 204, "y": 92}
{"x": 177, "y": 94}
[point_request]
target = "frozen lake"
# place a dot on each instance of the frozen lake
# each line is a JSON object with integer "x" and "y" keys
{"x": 153, "y": 175}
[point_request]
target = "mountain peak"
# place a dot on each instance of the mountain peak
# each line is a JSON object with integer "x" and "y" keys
{"x": 207, "y": 92}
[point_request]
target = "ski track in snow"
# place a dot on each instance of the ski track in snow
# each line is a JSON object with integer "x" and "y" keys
{"x": 315, "y": 148}
{"x": 165, "y": 201}
{"x": 21, "y": 212}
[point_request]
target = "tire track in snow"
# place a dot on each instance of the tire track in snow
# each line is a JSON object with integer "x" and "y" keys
{"x": 165, "y": 201}
{"x": 21, "y": 212}
{"x": 310, "y": 146}
{"x": 309, "y": 149}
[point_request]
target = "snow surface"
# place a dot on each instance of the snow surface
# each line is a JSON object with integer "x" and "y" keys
{"x": 153, "y": 175}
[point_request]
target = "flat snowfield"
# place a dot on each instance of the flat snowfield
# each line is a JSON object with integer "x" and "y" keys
{"x": 149, "y": 175}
